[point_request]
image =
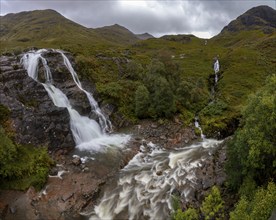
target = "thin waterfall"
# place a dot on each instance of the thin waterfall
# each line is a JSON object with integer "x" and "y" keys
{"x": 216, "y": 70}
{"x": 104, "y": 122}
{"x": 87, "y": 133}
{"x": 197, "y": 125}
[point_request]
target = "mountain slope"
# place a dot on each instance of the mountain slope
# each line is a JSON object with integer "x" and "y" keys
{"x": 48, "y": 28}
{"x": 144, "y": 36}
{"x": 39, "y": 25}
{"x": 105, "y": 55}
{"x": 261, "y": 17}
{"x": 116, "y": 33}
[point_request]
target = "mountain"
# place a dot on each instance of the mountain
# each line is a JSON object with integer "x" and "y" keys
{"x": 117, "y": 33}
{"x": 48, "y": 28}
{"x": 144, "y": 36}
{"x": 244, "y": 47}
{"x": 261, "y": 17}
{"x": 40, "y": 24}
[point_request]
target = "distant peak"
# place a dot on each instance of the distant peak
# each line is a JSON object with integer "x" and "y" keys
{"x": 261, "y": 17}
{"x": 144, "y": 36}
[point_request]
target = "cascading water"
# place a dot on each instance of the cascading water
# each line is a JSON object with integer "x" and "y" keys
{"x": 105, "y": 123}
{"x": 87, "y": 133}
{"x": 145, "y": 186}
{"x": 216, "y": 70}
{"x": 197, "y": 125}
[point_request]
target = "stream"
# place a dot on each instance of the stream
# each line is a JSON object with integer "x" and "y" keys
{"x": 144, "y": 188}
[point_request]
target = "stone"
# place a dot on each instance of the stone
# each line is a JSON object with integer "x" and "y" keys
{"x": 76, "y": 160}
{"x": 67, "y": 196}
{"x": 33, "y": 115}
{"x": 159, "y": 173}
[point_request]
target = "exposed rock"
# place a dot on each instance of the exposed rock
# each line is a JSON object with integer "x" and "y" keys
{"x": 64, "y": 198}
{"x": 76, "y": 161}
{"x": 67, "y": 196}
{"x": 34, "y": 118}
{"x": 171, "y": 134}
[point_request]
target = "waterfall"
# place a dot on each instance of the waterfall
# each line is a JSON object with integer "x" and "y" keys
{"x": 197, "y": 125}
{"x": 145, "y": 186}
{"x": 87, "y": 133}
{"x": 216, "y": 70}
{"x": 105, "y": 124}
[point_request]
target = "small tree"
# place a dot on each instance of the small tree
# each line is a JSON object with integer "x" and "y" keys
{"x": 259, "y": 208}
{"x": 142, "y": 101}
{"x": 163, "y": 99}
{"x": 213, "y": 206}
{"x": 189, "y": 214}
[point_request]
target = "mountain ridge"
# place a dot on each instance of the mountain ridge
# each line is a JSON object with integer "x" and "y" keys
{"x": 117, "y": 33}
{"x": 50, "y": 25}
{"x": 260, "y": 17}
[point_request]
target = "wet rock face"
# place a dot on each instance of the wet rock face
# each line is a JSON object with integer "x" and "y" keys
{"x": 34, "y": 119}
{"x": 63, "y": 80}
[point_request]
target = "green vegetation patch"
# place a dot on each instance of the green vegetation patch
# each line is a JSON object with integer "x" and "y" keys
{"x": 211, "y": 208}
{"x": 22, "y": 166}
{"x": 259, "y": 207}
{"x": 252, "y": 152}
{"x": 4, "y": 113}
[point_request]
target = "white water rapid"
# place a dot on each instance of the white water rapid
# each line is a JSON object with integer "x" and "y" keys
{"x": 145, "y": 186}
{"x": 87, "y": 133}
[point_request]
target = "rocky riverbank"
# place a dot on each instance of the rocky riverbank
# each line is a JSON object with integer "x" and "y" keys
{"x": 73, "y": 185}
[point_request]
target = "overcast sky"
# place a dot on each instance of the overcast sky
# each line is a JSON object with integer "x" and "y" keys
{"x": 203, "y": 18}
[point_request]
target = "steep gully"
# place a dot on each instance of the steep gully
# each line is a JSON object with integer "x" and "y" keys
{"x": 144, "y": 187}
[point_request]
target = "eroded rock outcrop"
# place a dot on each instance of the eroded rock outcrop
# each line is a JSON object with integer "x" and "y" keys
{"x": 34, "y": 118}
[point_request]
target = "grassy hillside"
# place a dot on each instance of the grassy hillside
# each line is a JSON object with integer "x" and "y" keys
{"x": 49, "y": 29}
{"x": 117, "y": 34}
{"x": 118, "y": 64}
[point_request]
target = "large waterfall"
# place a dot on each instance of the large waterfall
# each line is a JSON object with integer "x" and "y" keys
{"x": 87, "y": 133}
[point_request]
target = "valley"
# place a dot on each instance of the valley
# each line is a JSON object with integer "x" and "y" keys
{"x": 132, "y": 106}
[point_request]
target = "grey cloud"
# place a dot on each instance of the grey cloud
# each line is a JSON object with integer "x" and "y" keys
{"x": 156, "y": 17}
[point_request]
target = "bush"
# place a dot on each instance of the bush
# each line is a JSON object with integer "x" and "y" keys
{"x": 134, "y": 71}
{"x": 162, "y": 100}
{"x": 214, "y": 108}
{"x": 193, "y": 96}
{"x": 189, "y": 214}
{"x": 8, "y": 152}
{"x": 22, "y": 166}
{"x": 4, "y": 113}
{"x": 259, "y": 208}
{"x": 252, "y": 151}
{"x": 178, "y": 214}
{"x": 213, "y": 206}
{"x": 142, "y": 101}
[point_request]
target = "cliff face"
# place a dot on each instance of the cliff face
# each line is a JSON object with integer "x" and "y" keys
{"x": 34, "y": 119}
